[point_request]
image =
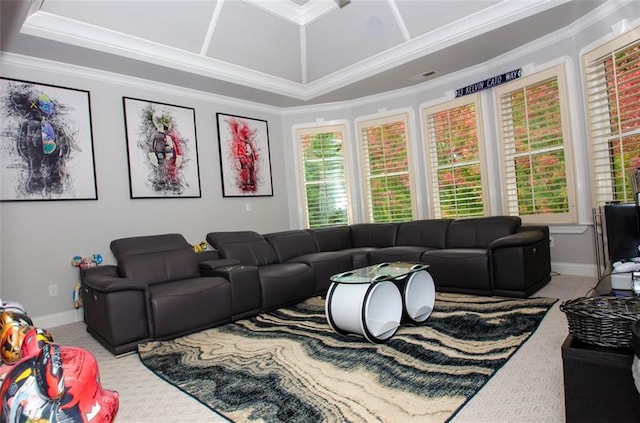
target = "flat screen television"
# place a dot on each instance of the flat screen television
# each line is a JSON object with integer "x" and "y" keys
{"x": 621, "y": 230}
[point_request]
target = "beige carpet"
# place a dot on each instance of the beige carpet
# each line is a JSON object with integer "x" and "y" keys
{"x": 528, "y": 388}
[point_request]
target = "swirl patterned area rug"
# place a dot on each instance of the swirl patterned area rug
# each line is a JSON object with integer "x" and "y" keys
{"x": 289, "y": 366}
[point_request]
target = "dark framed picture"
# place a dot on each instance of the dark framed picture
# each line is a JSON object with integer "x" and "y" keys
{"x": 46, "y": 143}
{"x": 245, "y": 161}
{"x": 162, "y": 150}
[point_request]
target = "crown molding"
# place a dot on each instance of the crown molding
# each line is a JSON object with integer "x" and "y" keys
{"x": 75, "y": 71}
{"x": 70, "y": 31}
{"x": 301, "y": 15}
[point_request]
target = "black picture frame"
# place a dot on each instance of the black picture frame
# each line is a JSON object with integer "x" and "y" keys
{"x": 46, "y": 143}
{"x": 162, "y": 149}
{"x": 245, "y": 157}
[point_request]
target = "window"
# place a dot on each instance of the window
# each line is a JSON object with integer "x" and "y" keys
{"x": 454, "y": 144}
{"x": 321, "y": 154}
{"x": 388, "y": 190}
{"x": 535, "y": 146}
{"x": 612, "y": 79}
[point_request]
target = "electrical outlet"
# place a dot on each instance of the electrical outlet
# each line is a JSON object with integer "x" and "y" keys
{"x": 551, "y": 242}
{"x": 53, "y": 290}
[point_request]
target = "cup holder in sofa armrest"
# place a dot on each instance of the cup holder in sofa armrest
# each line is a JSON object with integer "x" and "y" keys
{"x": 520, "y": 239}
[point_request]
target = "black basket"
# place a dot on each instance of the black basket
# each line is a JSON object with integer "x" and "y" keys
{"x": 604, "y": 321}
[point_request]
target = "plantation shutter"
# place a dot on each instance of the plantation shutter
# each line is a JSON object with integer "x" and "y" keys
{"x": 324, "y": 178}
{"x": 454, "y": 157}
{"x": 388, "y": 191}
{"x": 612, "y": 79}
{"x": 535, "y": 148}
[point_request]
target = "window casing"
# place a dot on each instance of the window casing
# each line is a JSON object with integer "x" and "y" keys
{"x": 388, "y": 190}
{"x": 321, "y": 154}
{"x": 453, "y": 137}
{"x": 612, "y": 87}
{"x": 535, "y": 148}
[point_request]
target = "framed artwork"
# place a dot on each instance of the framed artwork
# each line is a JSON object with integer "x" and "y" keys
{"x": 245, "y": 162}
{"x": 162, "y": 150}
{"x": 46, "y": 143}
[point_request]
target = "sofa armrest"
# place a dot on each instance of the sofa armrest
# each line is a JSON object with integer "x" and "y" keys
{"x": 207, "y": 266}
{"x": 207, "y": 255}
{"x": 519, "y": 239}
{"x": 246, "y": 291}
{"x": 105, "y": 279}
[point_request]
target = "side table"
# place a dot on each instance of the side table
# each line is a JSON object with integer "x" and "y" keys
{"x": 598, "y": 383}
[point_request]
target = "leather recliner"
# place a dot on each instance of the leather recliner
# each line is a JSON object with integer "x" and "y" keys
{"x": 155, "y": 291}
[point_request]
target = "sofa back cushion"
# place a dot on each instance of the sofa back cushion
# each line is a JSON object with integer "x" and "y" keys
{"x": 290, "y": 244}
{"x": 156, "y": 258}
{"x": 479, "y": 232}
{"x": 247, "y": 247}
{"x": 332, "y": 238}
{"x": 423, "y": 233}
{"x": 377, "y": 235}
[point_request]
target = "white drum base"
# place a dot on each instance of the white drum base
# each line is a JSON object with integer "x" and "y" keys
{"x": 371, "y": 310}
{"x": 418, "y": 296}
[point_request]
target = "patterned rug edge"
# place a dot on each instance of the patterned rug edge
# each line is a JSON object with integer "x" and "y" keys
{"x": 158, "y": 375}
{"x": 506, "y": 361}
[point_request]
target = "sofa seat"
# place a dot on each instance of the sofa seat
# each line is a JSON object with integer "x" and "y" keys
{"x": 400, "y": 253}
{"x": 285, "y": 283}
{"x": 325, "y": 264}
{"x": 463, "y": 270}
{"x": 189, "y": 305}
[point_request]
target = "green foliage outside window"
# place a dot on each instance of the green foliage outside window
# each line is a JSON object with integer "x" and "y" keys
{"x": 390, "y": 192}
{"x": 538, "y": 158}
{"x": 458, "y": 162}
{"x": 324, "y": 176}
{"x": 623, "y": 90}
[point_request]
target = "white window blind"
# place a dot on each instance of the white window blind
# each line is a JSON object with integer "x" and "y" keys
{"x": 321, "y": 155}
{"x": 454, "y": 155}
{"x": 612, "y": 79}
{"x": 535, "y": 147}
{"x": 388, "y": 190}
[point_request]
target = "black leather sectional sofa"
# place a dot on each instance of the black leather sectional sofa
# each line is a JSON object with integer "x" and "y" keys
{"x": 161, "y": 289}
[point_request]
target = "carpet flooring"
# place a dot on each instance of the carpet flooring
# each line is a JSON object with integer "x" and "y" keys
{"x": 288, "y": 366}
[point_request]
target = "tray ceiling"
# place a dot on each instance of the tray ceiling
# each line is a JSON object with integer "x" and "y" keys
{"x": 283, "y": 52}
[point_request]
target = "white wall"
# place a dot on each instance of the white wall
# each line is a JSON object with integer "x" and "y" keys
{"x": 39, "y": 238}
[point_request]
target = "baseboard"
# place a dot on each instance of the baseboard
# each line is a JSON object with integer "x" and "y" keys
{"x": 71, "y": 316}
{"x": 578, "y": 269}
{"x": 58, "y": 319}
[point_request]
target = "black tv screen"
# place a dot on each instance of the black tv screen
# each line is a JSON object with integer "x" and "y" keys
{"x": 621, "y": 229}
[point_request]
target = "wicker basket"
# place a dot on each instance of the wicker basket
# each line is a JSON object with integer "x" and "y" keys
{"x": 604, "y": 321}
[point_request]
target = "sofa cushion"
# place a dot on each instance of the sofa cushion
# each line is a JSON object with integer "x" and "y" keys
{"x": 460, "y": 270}
{"x": 155, "y": 258}
{"x": 166, "y": 266}
{"x": 285, "y": 283}
{"x": 424, "y": 233}
{"x": 188, "y": 305}
{"x": 290, "y": 244}
{"x": 332, "y": 238}
{"x": 400, "y": 253}
{"x": 247, "y": 247}
{"x": 326, "y": 264}
{"x": 373, "y": 234}
{"x": 481, "y": 231}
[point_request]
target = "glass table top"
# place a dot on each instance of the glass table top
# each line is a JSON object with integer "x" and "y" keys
{"x": 378, "y": 272}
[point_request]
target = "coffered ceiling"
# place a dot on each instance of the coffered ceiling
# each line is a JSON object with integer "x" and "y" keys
{"x": 282, "y": 52}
